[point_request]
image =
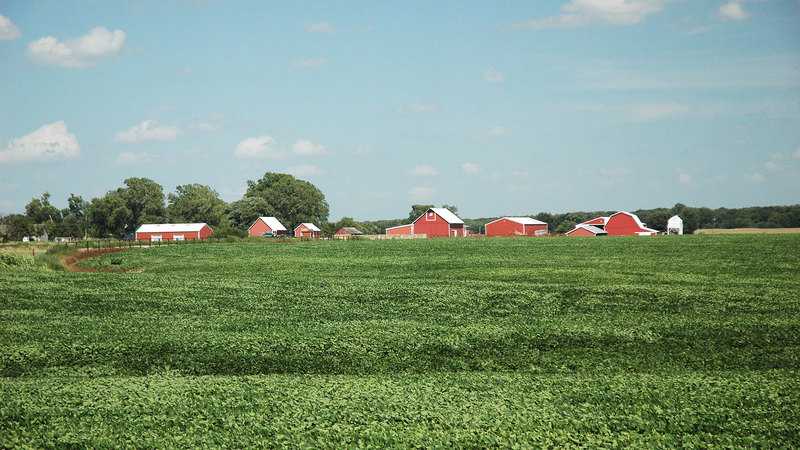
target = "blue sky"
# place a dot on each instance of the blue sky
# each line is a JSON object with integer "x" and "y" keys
{"x": 499, "y": 108}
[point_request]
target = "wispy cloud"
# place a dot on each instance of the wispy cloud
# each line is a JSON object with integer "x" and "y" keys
{"x": 304, "y": 170}
{"x": 581, "y": 13}
{"x": 8, "y": 31}
{"x": 149, "y": 130}
{"x": 311, "y": 63}
{"x": 422, "y": 193}
{"x": 320, "y": 28}
{"x": 471, "y": 168}
{"x": 732, "y": 11}
{"x": 88, "y": 50}
{"x": 425, "y": 170}
{"x": 492, "y": 75}
{"x": 132, "y": 158}
{"x": 49, "y": 143}
{"x": 417, "y": 108}
{"x": 495, "y": 132}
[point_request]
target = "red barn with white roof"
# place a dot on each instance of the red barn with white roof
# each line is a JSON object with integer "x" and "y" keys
{"x": 267, "y": 225}
{"x": 436, "y": 222}
{"x": 515, "y": 226}
{"x": 620, "y": 224}
{"x": 587, "y": 230}
{"x": 173, "y": 231}
{"x": 307, "y": 230}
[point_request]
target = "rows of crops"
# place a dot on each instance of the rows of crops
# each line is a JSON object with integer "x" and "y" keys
{"x": 670, "y": 340}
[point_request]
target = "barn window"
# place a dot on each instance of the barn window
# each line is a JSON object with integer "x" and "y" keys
{"x": 430, "y": 216}
{"x": 155, "y": 238}
{"x": 178, "y": 237}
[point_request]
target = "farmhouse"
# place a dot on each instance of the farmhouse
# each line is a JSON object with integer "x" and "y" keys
{"x": 267, "y": 226}
{"x": 515, "y": 226}
{"x": 619, "y": 224}
{"x": 587, "y": 230}
{"x": 306, "y": 230}
{"x": 347, "y": 233}
{"x": 436, "y": 222}
{"x": 157, "y": 232}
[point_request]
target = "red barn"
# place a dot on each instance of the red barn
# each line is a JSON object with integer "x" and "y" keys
{"x": 620, "y": 224}
{"x": 267, "y": 226}
{"x": 587, "y": 230}
{"x": 306, "y": 230}
{"x": 436, "y": 222}
{"x": 401, "y": 229}
{"x": 347, "y": 233}
{"x": 173, "y": 231}
{"x": 515, "y": 226}
{"x": 627, "y": 224}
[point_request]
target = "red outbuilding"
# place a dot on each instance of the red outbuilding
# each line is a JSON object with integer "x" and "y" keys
{"x": 267, "y": 226}
{"x": 347, "y": 232}
{"x": 516, "y": 226}
{"x": 436, "y": 222}
{"x": 306, "y": 230}
{"x": 587, "y": 230}
{"x": 173, "y": 231}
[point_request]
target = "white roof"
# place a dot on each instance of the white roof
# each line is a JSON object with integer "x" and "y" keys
{"x": 447, "y": 215}
{"x": 273, "y": 223}
{"x": 590, "y": 228}
{"x": 308, "y": 225}
{"x": 522, "y": 220}
{"x": 170, "y": 227}
{"x": 638, "y": 222}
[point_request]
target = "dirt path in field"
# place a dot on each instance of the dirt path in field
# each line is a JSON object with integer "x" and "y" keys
{"x": 69, "y": 261}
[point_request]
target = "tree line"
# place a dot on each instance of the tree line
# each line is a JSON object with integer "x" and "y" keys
{"x": 121, "y": 211}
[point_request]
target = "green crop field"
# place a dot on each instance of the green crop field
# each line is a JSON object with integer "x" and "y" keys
{"x": 660, "y": 342}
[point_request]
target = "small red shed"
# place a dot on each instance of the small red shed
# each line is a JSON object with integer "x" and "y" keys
{"x": 515, "y": 226}
{"x": 267, "y": 226}
{"x": 587, "y": 230}
{"x": 306, "y": 230}
{"x": 347, "y": 233}
{"x": 401, "y": 229}
{"x": 173, "y": 231}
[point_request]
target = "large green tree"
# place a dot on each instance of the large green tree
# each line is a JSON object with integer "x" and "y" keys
{"x": 110, "y": 216}
{"x": 242, "y": 213}
{"x": 18, "y": 226}
{"x": 196, "y": 203}
{"x": 293, "y": 201}
{"x": 418, "y": 210}
{"x": 145, "y": 199}
{"x": 40, "y": 211}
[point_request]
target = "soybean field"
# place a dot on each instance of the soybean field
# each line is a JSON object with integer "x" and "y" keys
{"x": 549, "y": 341}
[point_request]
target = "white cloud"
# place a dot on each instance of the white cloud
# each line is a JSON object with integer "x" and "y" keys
{"x": 755, "y": 177}
{"x": 417, "y": 108}
{"x": 87, "y": 50}
{"x": 425, "y": 170}
{"x": 49, "y": 143}
{"x": 304, "y": 147}
{"x": 580, "y": 13}
{"x": 733, "y": 11}
{"x": 422, "y": 193}
{"x": 495, "y": 132}
{"x": 304, "y": 170}
{"x": 796, "y": 153}
{"x": 492, "y": 75}
{"x": 257, "y": 147}
{"x": 8, "y": 31}
{"x": 320, "y": 28}
{"x": 471, "y": 168}
{"x": 647, "y": 112}
{"x": 130, "y": 158}
{"x": 616, "y": 172}
{"x": 311, "y": 63}
{"x": 149, "y": 130}
{"x": 684, "y": 178}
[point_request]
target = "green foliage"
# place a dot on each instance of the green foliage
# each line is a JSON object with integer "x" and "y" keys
{"x": 14, "y": 260}
{"x": 293, "y": 201}
{"x": 18, "y": 226}
{"x": 417, "y": 211}
{"x": 196, "y": 203}
{"x": 243, "y": 213}
{"x": 550, "y": 342}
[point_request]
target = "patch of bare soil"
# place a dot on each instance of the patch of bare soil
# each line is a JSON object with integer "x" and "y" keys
{"x": 69, "y": 261}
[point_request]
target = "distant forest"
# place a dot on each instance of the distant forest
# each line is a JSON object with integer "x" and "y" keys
{"x": 141, "y": 200}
